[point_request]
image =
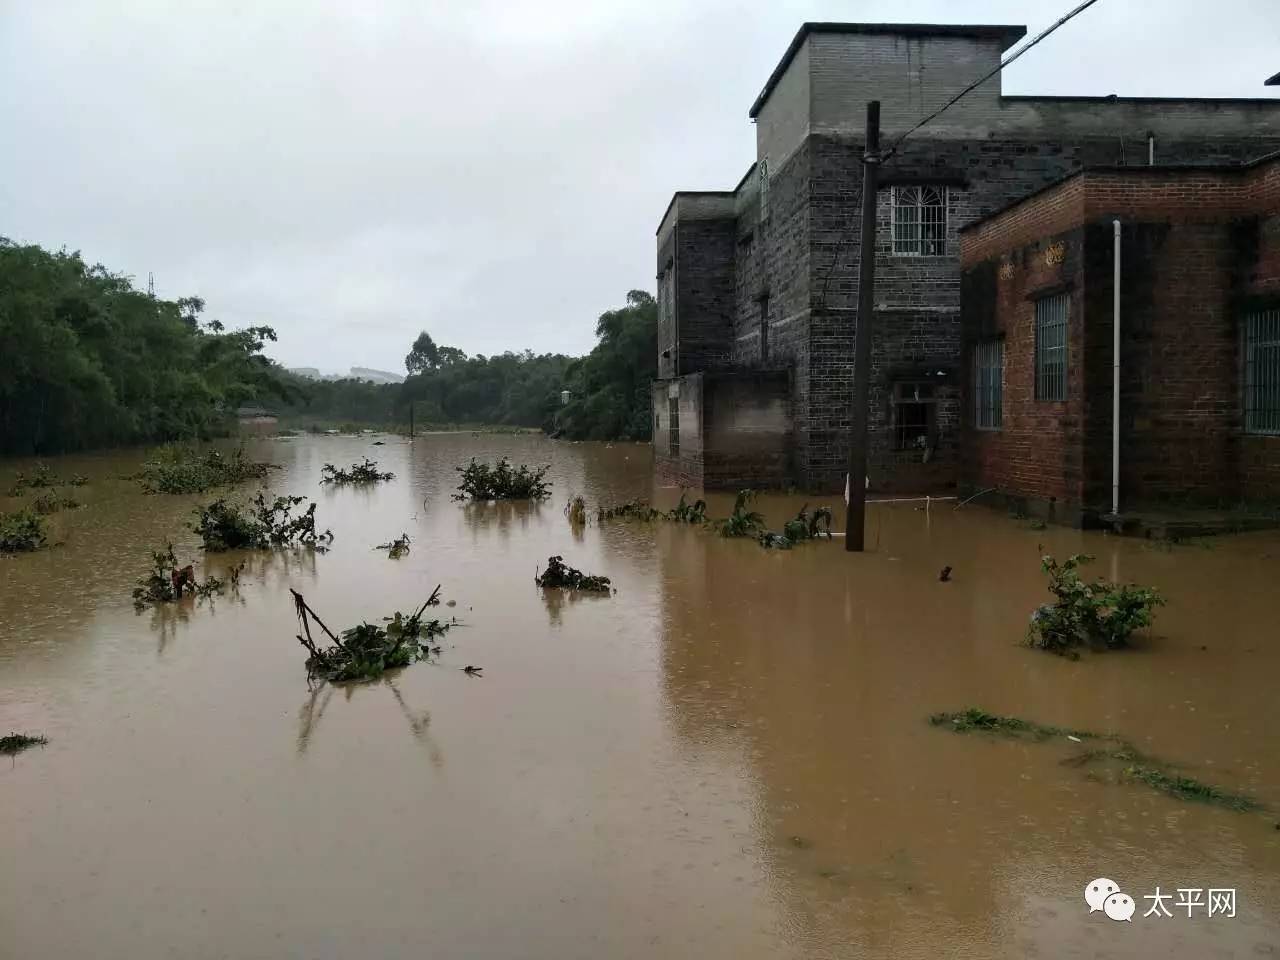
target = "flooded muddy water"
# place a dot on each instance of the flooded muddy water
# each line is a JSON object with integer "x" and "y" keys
{"x": 728, "y": 758}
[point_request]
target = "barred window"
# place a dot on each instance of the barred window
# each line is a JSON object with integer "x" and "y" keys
{"x": 1051, "y": 347}
{"x": 764, "y": 189}
{"x": 673, "y": 426}
{"x": 988, "y": 384}
{"x": 1262, "y": 372}
{"x": 919, "y": 221}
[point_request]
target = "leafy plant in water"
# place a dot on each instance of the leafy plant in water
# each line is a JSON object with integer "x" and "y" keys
{"x": 52, "y": 502}
{"x": 15, "y": 743}
{"x": 21, "y": 531}
{"x": 167, "y": 581}
{"x": 480, "y": 481}
{"x": 397, "y": 548}
{"x": 630, "y": 510}
{"x": 560, "y": 574}
{"x": 366, "y": 471}
{"x": 225, "y": 526}
{"x": 1100, "y": 614}
{"x": 576, "y": 510}
{"x": 178, "y": 469}
{"x": 775, "y": 541}
{"x": 41, "y": 477}
{"x": 685, "y": 512}
{"x": 742, "y": 522}
{"x": 366, "y": 651}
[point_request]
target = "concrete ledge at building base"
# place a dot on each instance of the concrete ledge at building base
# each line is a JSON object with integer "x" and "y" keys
{"x": 1188, "y": 524}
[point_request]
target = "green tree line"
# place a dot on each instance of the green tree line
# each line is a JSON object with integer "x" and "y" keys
{"x": 88, "y": 361}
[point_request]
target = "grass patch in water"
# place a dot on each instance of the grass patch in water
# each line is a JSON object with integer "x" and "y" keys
{"x": 972, "y": 718}
{"x": 1131, "y": 764}
{"x": 366, "y": 471}
{"x": 15, "y": 743}
{"x": 21, "y": 531}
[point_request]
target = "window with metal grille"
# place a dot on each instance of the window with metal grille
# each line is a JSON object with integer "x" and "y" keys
{"x": 673, "y": 425}
{"x": 919, "y": 221}
{"x": 1051, "y": 347}
{"x": 1262, "y": 372}
{"x": 764, "y": 189}
{"x": 988, "y": 384}
{"x": 913, "y": 408}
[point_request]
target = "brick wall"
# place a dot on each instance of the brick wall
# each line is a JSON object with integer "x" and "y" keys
{"x": 704, "y": 300}
{"x": 685, "y": 467}
{"x": 747, "y": 430}
{"x": 1197, "y": 249}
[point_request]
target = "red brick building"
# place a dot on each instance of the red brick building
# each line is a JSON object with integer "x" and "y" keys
{"x": 1199, "y": 308}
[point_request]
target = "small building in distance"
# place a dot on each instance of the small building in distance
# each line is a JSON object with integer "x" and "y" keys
{"x": 1199, "y": 309}
{"x": 758, "y": 285}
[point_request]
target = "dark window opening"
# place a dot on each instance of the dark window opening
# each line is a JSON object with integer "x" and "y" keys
{"x": 673, "y": 425}
{"x": 1051, "y": 347}
{"x": 1262, "y": 372}
{"x": 913, "y": 417}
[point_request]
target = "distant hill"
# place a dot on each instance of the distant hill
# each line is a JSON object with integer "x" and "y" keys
{"x": 357, "y": 373}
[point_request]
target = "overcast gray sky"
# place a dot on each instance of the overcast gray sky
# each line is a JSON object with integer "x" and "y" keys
{"x": 491, "y": 172}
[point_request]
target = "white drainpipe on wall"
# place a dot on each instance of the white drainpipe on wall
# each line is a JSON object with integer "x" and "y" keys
{"x": 1115, "y": 373}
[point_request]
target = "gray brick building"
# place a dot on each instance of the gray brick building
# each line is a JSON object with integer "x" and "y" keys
{"x": 758, "y": 285}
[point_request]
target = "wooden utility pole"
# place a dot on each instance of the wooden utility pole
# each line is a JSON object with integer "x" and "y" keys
{"x": 856, "y": 510}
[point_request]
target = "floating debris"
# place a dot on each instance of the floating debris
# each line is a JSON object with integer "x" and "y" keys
{"x": 559, "y": 574}
{"x": 480, "y": 481}
{"x": 224, "y": 526}
{"x": 364, "y": 472}
{"x": 15, "y": 743}
{"x": 471, "y": 671}
{"x": 397, "y": 548}
{"x": 1101, "y": 615}
{"x": 945, "y": 575}
{"x": 178, "y": 469}
{"x": 368, "y": 650}
{"x": 21, "y": 531}
{"x": 1130, "y": 763}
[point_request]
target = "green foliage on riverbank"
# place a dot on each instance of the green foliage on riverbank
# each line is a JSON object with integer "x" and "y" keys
{"x": 608, "y": 388}
{"x": 92, "y": 362}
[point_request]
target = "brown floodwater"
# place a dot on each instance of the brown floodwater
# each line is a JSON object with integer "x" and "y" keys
{"x": 728, "y": 758}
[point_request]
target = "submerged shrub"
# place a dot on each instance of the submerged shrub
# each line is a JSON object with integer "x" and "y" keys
{"x": 397, "y": 548}
{"x": 806, "y": 526}
{"x": 225, "y": 526}
{"x": 685, "y": 512}
{"x": 366, "y": 651}
{"x": 366, "y": 471}
{"x": 630, "y": 510}
{"x": 560, "y": 574}
{"x": 1100, "y": 614}
{"x": 52, "y": 502}
{"x": 480, "y": 481}
{"x": 177, "y": 469}
{"x": 742, "y": 522}
{"x": 21, "y": 531}
{"x": 14, "y": 743}
{"x": 167, "y": 581}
